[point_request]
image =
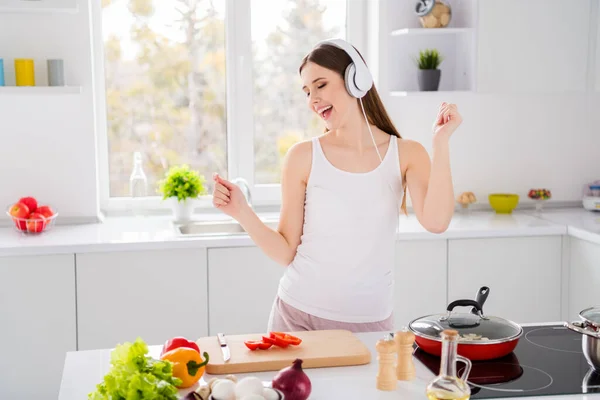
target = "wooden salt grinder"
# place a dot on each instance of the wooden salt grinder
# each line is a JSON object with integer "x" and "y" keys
{"x": 405, "y": 367}
{"x": 386, "y": 377}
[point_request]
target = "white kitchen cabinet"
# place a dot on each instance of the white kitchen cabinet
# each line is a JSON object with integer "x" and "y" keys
{"x": 37, "y": 320}
{"x": 533, "y": 46}
{"x": 243, "y": 284}
{"x": 420, "y": 276}
{"x": 523, "y": 274}
{"x": 584, "y": 276}
{"x": 154, "y": 294}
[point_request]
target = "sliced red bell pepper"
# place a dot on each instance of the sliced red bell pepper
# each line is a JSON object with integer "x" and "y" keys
{"x": 257, "y": 344}
{"x": 275, "y": 341}
{"x": 287, "y": 338}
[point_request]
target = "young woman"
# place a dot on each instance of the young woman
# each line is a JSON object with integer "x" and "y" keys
{"x": 341, "y": 196}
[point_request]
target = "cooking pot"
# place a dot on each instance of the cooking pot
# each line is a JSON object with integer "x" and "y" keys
{"x": 591, "y": 382}
{"x": 482, "y": 337}
{"x": 589, "y": 327}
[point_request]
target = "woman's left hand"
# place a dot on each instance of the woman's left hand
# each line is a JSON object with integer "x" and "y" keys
{"x": 448, "y": 119}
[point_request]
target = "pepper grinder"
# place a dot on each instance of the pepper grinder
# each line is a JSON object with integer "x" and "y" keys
{"x": 405, "y": 367}
{"x": 386, "y": 377}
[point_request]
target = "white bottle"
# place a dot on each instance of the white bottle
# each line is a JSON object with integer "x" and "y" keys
{"x": 137, "y": 182}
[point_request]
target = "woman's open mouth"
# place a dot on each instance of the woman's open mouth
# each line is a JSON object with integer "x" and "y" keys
{"x": 325, "y": 112}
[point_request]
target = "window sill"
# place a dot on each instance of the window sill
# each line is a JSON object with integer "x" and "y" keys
{"x": 156, "y": 206}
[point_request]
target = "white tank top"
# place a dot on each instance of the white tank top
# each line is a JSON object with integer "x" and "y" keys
{"x": 344, "y": 266}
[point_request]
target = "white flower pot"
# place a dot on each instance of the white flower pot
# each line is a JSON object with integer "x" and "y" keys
{"x": 182, "y": 210}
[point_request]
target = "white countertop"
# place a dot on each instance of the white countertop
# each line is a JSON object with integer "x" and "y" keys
{"x": 116, "y": 234}
{"x": 84, "y": 369}
{"x": 580, "y": 223}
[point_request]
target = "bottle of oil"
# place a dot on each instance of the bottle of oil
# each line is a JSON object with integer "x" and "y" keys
{"x": 447, "y": 385}
{"x": 137, "y": 185}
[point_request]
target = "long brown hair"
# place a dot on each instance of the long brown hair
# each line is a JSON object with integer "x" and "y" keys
{"x": 336, "y": 59}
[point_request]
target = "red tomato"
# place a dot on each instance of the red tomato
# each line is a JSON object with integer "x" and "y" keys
{"x": 19, "y": 210}
{"x": 36, "y": 223}
{"x": 46, "y": 211}
{"x": 30, "y": 202}
{"x": 21, "y": 225}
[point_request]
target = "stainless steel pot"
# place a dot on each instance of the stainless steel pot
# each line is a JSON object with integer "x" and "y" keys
{"x": 589, "y": 327}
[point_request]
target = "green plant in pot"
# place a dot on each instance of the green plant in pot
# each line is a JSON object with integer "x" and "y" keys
{"x": 182, "y": 186}
{"x": 429, "y": 74}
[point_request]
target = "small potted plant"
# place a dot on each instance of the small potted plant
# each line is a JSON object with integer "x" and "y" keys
{"x": 429, "y": 75}
{"x": 182, "y": 186}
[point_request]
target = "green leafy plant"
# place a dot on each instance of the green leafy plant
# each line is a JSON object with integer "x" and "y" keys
{"x": 182, "y": 182}
{"x": 429, "y": 59}
{"x": 135, "y": 375}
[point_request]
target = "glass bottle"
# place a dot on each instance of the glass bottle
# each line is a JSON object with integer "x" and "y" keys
{"x": 137, "y": 182}
{"x": 447, "y": 385}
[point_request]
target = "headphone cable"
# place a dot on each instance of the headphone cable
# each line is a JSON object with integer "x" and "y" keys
{"x": 369, "y": 126}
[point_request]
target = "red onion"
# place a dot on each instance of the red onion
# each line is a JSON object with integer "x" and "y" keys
{"x": 293, "y": 382}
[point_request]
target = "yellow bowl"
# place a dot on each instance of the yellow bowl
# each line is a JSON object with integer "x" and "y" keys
{"x": 503, "y": 203}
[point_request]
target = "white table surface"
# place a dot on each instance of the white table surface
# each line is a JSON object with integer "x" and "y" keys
{"x": 84, "y": 369}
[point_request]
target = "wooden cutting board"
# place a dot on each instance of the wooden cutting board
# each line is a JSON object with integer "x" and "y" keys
{"x": 325, "y": 348}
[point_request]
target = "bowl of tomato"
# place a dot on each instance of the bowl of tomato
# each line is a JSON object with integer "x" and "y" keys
{"x": 30, "y": 217}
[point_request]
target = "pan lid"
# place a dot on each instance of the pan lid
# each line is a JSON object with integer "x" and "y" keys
{"x": 591, "y": 316}
{"x": 473, "y": 327}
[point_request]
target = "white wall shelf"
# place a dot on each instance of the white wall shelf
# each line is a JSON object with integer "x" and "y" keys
{"x": 39, "y": 6}
{"x": 40, "y": 90}
{"x": 402, "y": 37}
{"x": 429, "y": 31}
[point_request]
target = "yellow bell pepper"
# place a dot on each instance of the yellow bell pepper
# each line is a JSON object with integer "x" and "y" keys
{"x": 187, "y": 365}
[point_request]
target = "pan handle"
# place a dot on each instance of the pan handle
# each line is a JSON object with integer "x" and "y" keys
{"x": 482, "y": 295}
{"x": 578, "y": 327}
{"x": 465, "y": 303}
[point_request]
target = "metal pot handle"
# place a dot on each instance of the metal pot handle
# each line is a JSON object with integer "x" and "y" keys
{"x": 579, "y": 327}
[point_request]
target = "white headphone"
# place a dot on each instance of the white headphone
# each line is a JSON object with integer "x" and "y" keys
{"x": 357, "y": 76}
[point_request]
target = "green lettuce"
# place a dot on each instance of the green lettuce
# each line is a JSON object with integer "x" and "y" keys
{"x": 136, "y": 376}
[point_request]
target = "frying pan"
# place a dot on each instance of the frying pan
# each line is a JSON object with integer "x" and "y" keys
{"x": 482, "y": 337}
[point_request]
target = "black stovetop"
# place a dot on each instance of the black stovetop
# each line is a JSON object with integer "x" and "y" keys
{"x": 548, "y": 360}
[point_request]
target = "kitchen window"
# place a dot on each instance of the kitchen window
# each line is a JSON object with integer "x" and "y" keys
{"x": 209, "y": 83}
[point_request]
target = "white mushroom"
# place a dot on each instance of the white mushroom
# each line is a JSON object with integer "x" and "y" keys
{"x": 271, "y": 394}
{"x": 224, "y": 389}
{"x": 247, "y": 386}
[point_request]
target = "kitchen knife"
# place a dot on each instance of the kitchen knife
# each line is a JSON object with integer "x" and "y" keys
{"x": 224, "y": 346}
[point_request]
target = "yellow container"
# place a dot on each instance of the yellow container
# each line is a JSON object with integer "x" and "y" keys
{"x": 503, "y": 203}
{"x": 24, "y": 72}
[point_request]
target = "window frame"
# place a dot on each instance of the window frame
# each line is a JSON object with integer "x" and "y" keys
{"x": 239, "y": 89}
